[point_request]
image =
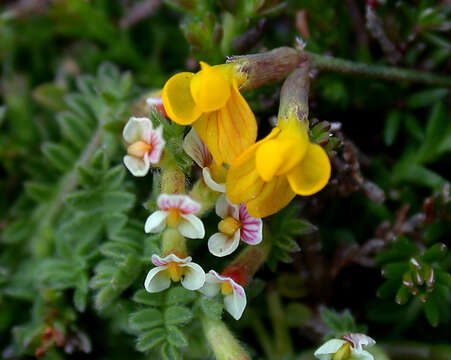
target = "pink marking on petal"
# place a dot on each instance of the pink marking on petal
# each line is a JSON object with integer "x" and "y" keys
{"x": 189, "y": 206}
{"x": 251, "y": 228}
{"x": 158, "y": 261}
{"x": 237, "y": 288}
{"x": 157, "y": 143}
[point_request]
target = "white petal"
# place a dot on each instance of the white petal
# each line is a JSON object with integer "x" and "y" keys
{"x": 196, "y": 149}
{"x": 191, "y": 227}
{"x": 194, "y": 277}
{"x": 213, "y": 185}
{"x": 235, "y": 304}
{"x": 225, "y": 208}
{"x": 137, "y": 129}
{"x": 212, "y": 285}
{"x": 155, "y": 223}
{"x": 138, "y": 167}
{"x": 157, "y": 142}
{"x": 157, "y": 280}
{"x": 330, "y": 347}
{"x": 251, "y": 228}
{"x": 361, "y": 355}
{"x": 359, "y": 340}
{"x": 221, "y": 245}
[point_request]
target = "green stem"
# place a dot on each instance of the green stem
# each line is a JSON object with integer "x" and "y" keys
{"x": 262, "y": 334}
{"x": 283, "y": 343}
{"x": 222, "y": 342}
{"x": 330, "y": 63}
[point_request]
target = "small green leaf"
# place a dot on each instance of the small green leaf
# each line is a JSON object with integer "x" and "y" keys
{"x": 151, "y": 339}
{"x": 175, "y": 315}
{"x": 211, "y": 307}
{"x": 431, "y": 311}
{"x": 435, "y": 253}
{"x": 150, "y": 299}
{"x": 392, "y": 125}
{"x": 176, "y": 337}
{"x": 180, "y": 295}
{"x": 169, "y": 352}
{"x": 146, "y": 319}
{"x": 426, "y": 97}
{"x": 60, "y": 156}
{"x": 40, "y": 192}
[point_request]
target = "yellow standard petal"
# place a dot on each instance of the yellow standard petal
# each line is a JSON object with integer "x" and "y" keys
{"x": 312, "y": 174}
{"x": 229, "y": 131}
{"x": 177, "y": 100}
{"x": 243, "y": 182}
{"x": 210, "y": 88}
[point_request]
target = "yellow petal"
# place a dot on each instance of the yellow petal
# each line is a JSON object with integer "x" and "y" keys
{"x": 229, "y": 131}
{"x": 210, "y": 88}
{"x": 273, "y": 196}
{"x": 177, "y": 100}
{"x": 243, "y": 182}
{"x": 312, "y": 174}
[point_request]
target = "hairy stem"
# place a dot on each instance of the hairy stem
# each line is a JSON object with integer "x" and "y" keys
{"x": 330, "y": 63}
{"x": 222, "y": 342}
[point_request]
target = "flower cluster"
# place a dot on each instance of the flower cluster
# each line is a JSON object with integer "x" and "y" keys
{"x": 250, "y": 179}
{"x": 348, "y": 347}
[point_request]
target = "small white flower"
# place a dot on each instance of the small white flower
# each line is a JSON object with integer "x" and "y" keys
{"x": 144, "y": 145}
{"x": 171, "y": 267}
{"x": 213, "y": 175}
{"x": 236, "y": 224}
{"x": 176, "y": 211}
{"x": 349, "y": 346}
{"x": 234, "y": 295}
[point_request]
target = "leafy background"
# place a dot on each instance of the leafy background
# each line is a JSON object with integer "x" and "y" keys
{"x": 73, "y": 253}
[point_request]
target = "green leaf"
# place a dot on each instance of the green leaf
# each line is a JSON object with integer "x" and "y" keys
{"x": 175, "y": 315}
{"x": 432, "y": 312}
{"x": 426, "y": 97}
{"x": 392, "y": 125}
{"x": 169, "y": 352}
{"x": 40, "y": 192}
{"x": 176, "y": 337}
{"x": 211, "y": 307}
{"x": 435, "y": 253}
{"x": 75, "y": 129}
{"x": 146, "y": 319}
{"x": 180, "y": 295}
{"x": 100, "y": 201}
{"x": 151, "y": 339}
{"x": 50, "y": 95}
{"x": 60, "y": 156}
{"x": 81, "y": 292}
{"x": 150, "y": 299}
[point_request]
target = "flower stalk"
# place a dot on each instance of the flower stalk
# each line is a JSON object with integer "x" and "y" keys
{"x": 222, "y": 342}
{"x": 172, "y": 180}
{"x": 246, "y": 264}
{"x": 294, "y": 93}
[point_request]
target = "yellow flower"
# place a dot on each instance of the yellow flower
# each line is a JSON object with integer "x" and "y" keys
{"x": 211, "y": 101}
{"x": 269, "y": 174}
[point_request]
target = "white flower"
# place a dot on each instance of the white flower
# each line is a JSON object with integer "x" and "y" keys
{"x": 144, "y": 145}
{"x": 234, "y": 295}
{"x": 213, "y": 175}
{"x": 236, "y": 224}
{"x": 171, "y": 267}
{"x": 176, "y": 211}
{"x": 349, "y": 346}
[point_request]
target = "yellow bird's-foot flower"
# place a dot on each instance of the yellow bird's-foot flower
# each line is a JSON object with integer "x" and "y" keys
{"x": 269, "y": 174}
{"x": 210, "y": 100}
